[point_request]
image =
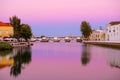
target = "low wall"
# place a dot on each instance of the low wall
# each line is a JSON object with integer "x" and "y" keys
{"x": 113, "y": 44}
{"x": 19, "y": 44}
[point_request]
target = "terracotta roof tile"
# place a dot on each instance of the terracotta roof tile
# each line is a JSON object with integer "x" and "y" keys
{"x": 114, "y": 23}
{"x": 4, "y": 24}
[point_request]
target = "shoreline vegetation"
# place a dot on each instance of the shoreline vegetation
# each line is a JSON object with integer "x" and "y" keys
{"x": 21, "y": 31}
{"x": 5, "y": 45}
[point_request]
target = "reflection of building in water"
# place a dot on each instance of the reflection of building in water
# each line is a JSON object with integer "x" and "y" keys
{"x": 17, "y": 60}
{"x": 113, "y": 59}
{"x": 6, "y": 61}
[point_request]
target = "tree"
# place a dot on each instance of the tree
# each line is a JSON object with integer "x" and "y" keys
{"x": 85, "y": 29}
{"x": 26, "y": 32}
{"x": 16, "y": 24}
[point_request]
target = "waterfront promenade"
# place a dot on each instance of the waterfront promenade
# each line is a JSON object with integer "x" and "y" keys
{"x": 114, "y": 44}
{"x": 19, "y": 44}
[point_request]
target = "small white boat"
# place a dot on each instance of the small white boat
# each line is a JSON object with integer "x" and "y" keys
{"x": 32, "y": 39}
{"x": 56, "y": 39}
{"x": 78, "y": 39}
{"x": 67, "y": 39}
{"x": 44, "y": 39}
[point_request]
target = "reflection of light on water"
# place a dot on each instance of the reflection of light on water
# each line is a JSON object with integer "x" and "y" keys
{"x": 113, "y": 58}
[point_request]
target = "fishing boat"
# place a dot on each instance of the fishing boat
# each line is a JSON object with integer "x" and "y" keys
{"x": 56, "y": 39}
{"x": 44, "y": 39}
{"x": 78, "y": 39}
{"x": 67, "y": 39}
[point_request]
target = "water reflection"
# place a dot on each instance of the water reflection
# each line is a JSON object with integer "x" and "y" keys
{"x": 22, "y": 57}
{"x": 113, "y": 58}
{"x": 6, "y": 59}
{"x": 85, "y": 58}
{"x": 62, "y": 61}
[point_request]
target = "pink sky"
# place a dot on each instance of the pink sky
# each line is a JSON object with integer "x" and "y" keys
{"x": 70, "y": 11}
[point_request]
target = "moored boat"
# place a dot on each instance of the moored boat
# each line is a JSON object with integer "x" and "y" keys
{"x": 78, "y": 39}
{"x": 67, "y": 39}
{"x": 56, "y": 39}
{"x": 44, "y": 39}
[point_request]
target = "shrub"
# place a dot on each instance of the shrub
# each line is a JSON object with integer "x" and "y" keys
{"x": 5, "y": 46}
{"x": 5, "y": 52}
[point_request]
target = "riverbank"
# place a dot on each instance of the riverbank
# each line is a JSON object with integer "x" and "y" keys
{"x": 112, "y": 44}
{"x": 5, "y": 46}
{"x": 20, "y": 44}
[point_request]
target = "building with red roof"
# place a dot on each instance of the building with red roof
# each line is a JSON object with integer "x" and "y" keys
{"x": 6, "y": 30}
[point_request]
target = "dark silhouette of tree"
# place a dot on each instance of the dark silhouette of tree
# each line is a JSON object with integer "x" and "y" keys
{"x": 16, "y": 24}
{"x": 85, "y": 29}
{"x": 85, "y": 55}
{"x": 22, "y": 57}
{"x": 26, "y": 32}
{"x": 20, "y": 30}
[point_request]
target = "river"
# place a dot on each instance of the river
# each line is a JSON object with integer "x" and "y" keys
{"x": 60, "y": 61}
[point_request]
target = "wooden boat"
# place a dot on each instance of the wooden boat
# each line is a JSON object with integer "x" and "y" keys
{"x": 78, "y": 39}
{"x": 56, "y": 39}
{"x": 67, "y": 39}
{"x": 44, "y": 39}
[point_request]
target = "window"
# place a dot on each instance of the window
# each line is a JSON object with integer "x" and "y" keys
{"x": 117, "y": 28}
{"x": 114, "y": 30}
{"x": 6, "y": 32}
{"x": 0, "y": 32}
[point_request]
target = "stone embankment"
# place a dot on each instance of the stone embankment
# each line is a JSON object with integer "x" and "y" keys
{"x": 113, "y": 44}
{"x": 20, "y": 44}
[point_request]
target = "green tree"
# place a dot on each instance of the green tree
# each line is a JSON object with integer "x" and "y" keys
{"x": 16, "y": 24}
{"x": 26, "y": 32}
{"x": 85, "y": 29}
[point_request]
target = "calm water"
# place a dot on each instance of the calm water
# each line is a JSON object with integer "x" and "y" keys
{"x": 60, "y": 61}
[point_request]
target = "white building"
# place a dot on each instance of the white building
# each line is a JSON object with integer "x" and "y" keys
{"x": 98, "y": 35}
{"x": 113, "y": 31}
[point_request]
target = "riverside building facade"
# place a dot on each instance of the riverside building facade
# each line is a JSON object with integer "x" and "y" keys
{"x": 113, "y": 31}
{"x": 6, "y": 30}
{"x": 97, "y": 35}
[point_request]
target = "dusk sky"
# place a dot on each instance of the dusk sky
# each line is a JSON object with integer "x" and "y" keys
{"x": 60, "y": 17}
